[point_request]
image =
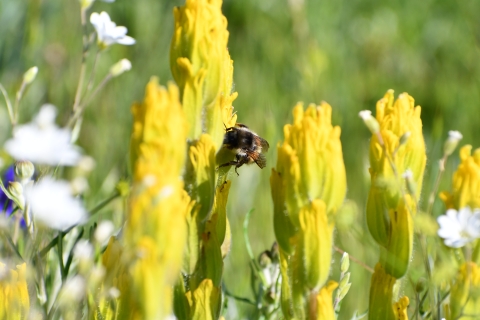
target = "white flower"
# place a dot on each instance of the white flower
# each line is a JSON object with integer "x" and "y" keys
{"x": 120, "y": 67}
{"x": 459, "y": 228}
{"x": 42, "y": 142}
{"x": 53, "y": 205}
{"x": 107, "y": 31}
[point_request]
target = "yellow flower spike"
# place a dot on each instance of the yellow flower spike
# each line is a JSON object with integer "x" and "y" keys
{"x": 324, "y": 302}
{"x": 395, "y": 119}
{"x": 286, "y": 296}
{"x": 155, "y": 232}
{"x": 381, "y": 294}
{"x": 14, "y": 299}
{"x": 200, "y": 174}
{"x": 400, "y": 308}
{"x": 465, "y": 293}
{"x": 466, "y": 181}
{"x": 311, "y": 160}
{"x": 389, "y": 216}
{"x": 202, "y": 67}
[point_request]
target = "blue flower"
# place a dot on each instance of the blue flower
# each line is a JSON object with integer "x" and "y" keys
{"x": 7, "y": 205}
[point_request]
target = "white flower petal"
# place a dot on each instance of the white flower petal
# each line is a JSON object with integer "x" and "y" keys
{"x": 53, "y": 205}
{"x": 456, "y": 243}
{"x": 463, "y": 215}
{"x": 42, "y": 142}
{"x": 473, "y": 227}
{"x": 127, "y": 41}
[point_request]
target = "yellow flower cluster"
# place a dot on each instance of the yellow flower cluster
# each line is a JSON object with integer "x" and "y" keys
{"x": 202, "y": 68}
{"x": 466, "y": 181}
{"x": 310, "y": 183}
{"x": 390, "y": 209}
{"x": 155, "y": 233}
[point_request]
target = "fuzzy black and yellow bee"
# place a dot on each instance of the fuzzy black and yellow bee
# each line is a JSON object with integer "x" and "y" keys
{"x": 247, "y": 146}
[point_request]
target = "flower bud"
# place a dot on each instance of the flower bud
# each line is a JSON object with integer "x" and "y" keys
{"x": 85, "y": 4}
{"x": 451, "y": 144}
{"x": 84, "y": 253}
{"x": 30, "y": 75}
{"x": 120, "y": 67}
{"x": 411, "y": 186}
{"x": 24, "y": 171}
{"x": 104, "y": 231}
{"x": 404, "y": 138}
{"x": 344, "y": 281}
{"x": 370, "y": 122}
{"x": 264, "y": 260}
{"x": 16, "y": 191}
{"x": 345, "y": 262}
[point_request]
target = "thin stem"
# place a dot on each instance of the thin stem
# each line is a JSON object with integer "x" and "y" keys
{"x": 79, "y": 109}
{"x": 60, "y": 257}
{"x": 357, "y": 261}
{"x": 9, "y": 104}
{"x": 431, "y": 198}
{"x": 83, "y": 19}
{"x": 18, "y": 97}
{"x": 92, "y": 74}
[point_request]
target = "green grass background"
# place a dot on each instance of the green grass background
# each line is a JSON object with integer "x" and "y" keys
{"x": 346, "y": 52}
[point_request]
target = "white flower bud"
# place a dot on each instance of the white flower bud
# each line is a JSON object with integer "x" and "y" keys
{"x": 104, "y": 231}
{"x": 79, "y": 185}
{"x": 120, "y": 67}
{"x": 16, "y": 191}
{"x": 345, "y": 262}
{"x": 24, "y": 171}
{"x": 30, "y": 75}
{"x": 84, "y": 253}
{"x": 370, "y": 122}
{"x": 411, "y": 186}
{"x": 450, "y": 145}
{"x": 404, "y": 138}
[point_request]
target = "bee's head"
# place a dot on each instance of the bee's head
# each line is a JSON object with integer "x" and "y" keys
{"x": 230, "y": 138}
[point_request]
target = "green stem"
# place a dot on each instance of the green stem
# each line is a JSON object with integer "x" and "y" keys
{"x": 60, "y": 257}
{"x": 9, "y": 105}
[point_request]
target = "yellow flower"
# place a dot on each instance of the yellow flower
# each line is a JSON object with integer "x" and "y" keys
{"x": 390, "y": 209}
{"x": 200, "y": 174}
{"x": 310, "y": 183}
{"x": 466, "y": 181}
{"x": 155, "y": 232}
{"x": 14, "y": 299}
{"x": 310, "y": 160}
{"x": 465, "y": 293}
{"x": 324, "y": 302}
{"x": 202, "y": 67}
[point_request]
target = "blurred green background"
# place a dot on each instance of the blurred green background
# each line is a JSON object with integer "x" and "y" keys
{"x": 348, "y": 53}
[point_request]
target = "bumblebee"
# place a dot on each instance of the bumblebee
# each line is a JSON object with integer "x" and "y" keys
{"x": 247, "y": 146}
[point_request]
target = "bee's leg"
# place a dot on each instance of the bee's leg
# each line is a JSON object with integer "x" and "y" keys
{"x": 230, "y": 163}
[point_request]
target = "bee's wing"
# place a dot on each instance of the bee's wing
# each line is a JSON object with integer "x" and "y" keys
{"x": 258, "y": 158}
{"x": 263, "y": 143}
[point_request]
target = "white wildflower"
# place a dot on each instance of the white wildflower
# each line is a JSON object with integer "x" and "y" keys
{"x": 108, "y": 32}
{"x": 53, "y": 205}
{"x": 73, "y": 291}
{"x": 459, "y": 228}
{"x": 42, "y": 142}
